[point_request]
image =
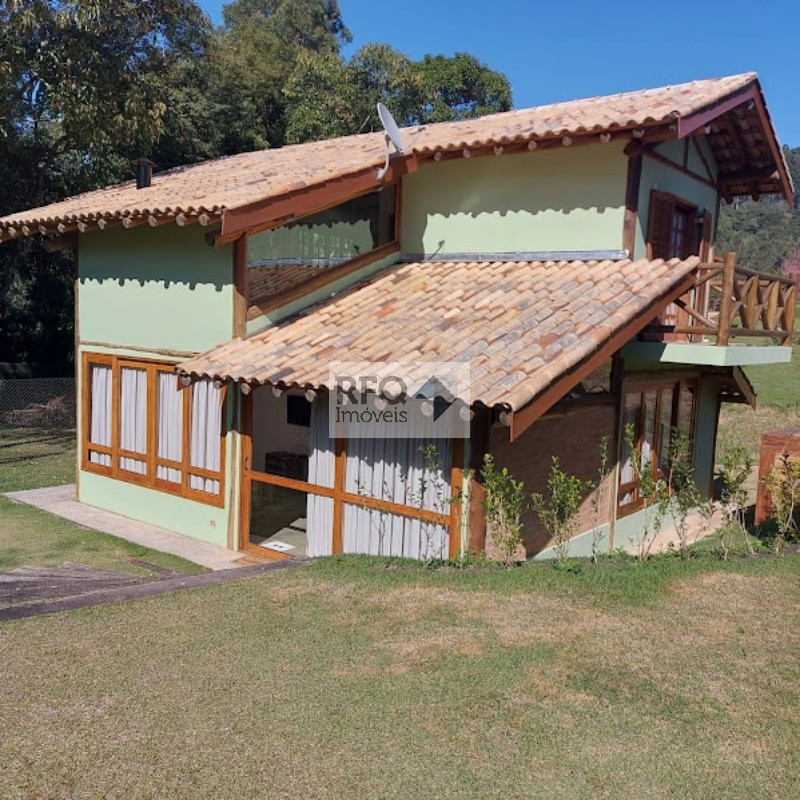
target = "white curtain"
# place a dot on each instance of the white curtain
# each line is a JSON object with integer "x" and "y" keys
{"x": 170, "y": 425}
{"x": 206, "y": 433}
{"x": 395, "y": 469}
{"x": 319, "y": 520}
{"x": 100, "y": 405}
{"x": 133, "y": 418}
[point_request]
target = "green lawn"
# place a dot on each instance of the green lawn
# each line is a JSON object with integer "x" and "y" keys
{"x": 357, "y": 679}
{"x": 32, "y": 459}
{"x": 778, "y": 390}
{"x": 778, "y": 385}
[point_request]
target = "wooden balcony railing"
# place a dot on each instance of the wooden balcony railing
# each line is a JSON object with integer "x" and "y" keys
{"x": 729, "y": 301}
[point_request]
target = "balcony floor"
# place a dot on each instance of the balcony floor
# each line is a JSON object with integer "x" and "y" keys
{"x": 711, "y": 355}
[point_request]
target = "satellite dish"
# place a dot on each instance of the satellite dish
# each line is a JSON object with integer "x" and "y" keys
{"x": 392, "y": 135}
{"x": 392, "y": 131}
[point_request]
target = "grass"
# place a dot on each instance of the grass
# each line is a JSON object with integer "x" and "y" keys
{"x": 778, "y": 390}
{"x": 29, "y": 460}
{"x": 364, "y": 678}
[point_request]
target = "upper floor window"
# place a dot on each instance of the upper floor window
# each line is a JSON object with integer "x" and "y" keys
{"x": 284, "y": 258}
{"x": 139, "y": 426}
{"x": 672, "y": 227}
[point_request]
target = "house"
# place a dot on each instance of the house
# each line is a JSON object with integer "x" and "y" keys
{"x": 564, "y": 255}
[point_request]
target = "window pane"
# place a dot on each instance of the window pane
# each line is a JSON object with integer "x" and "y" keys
{"x": 379, "y": 533}
{"x": 288, "y": 256}
{"x": 648, "y": 434}
{"x": 633, "y": 405}
{"x": 281, "y": 447}
{"x": 170, "y": 426}
{"x": 100, "y": 412}
{"x": 664, "y": 426}
{"x": 206, "y": 435}
{"x": 686, "y": 409}
{"x": 133, "y": 418}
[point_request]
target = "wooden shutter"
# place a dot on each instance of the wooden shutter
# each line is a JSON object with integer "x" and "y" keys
{"x": 659, "y": 224}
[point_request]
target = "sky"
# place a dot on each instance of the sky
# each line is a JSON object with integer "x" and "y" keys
{"x": 555, "y": 51}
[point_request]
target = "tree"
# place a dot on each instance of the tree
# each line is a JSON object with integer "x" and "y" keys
{"x": 321, "y": 99}
{"x": 379, "y": 73}
{"x": 81, "y": 95}
{"x": 460, "y": 86}
{"x": 763, "y": 233}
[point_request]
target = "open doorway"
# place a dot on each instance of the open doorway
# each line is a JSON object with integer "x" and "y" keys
{"x": 288, "y": 475}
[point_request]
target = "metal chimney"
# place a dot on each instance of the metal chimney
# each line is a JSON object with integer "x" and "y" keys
{"x": 144, "y": 172}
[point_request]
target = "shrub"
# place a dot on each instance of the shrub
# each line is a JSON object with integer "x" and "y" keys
{"x": 505, "y": 504}
{"x": 559, "y": 512}
{"x": 783, "y": 482}
{"x": 736, "y": 465}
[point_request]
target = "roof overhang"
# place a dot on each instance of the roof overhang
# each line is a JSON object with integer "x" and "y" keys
{"x": 529, "y": 331}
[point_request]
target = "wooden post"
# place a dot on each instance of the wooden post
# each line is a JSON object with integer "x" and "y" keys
{"x": 246, "y": 456}
{"x": 789, "y": 314}
{"x": 728, "y": 280}
{"x": 634, "y": 150}
{"x": 240, "y": 287}
{"x": 340, "y": 454}
{"x": 478, "y": 447}
{"x": 456, "y": 487}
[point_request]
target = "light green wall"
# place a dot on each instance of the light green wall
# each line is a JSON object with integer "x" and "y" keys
{"x": 656, "y": 175}
{"x": 155, "y": 287}
{"x": 705, "y": 433}
{"x": 733, "y": 355}
{"x": 161, "y": 288}
{"x": 580, "y": 546}
{"x": 562, "y": 199}
{"x": 198, "y": 520}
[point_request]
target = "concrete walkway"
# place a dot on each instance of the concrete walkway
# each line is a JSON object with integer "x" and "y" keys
{"x": 60, "y": 500}
{"x": 122, "y": 594}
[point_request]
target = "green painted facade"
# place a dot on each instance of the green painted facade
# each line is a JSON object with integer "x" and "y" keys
{"x": 660, "y": 176}
{"x": 144, "y": 290}
{"x": 734, "y": 355}
{"x": 164, "y": 289}
{"x": 563, "y": 199}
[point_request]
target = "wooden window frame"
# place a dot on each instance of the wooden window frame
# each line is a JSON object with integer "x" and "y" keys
{"x": 642, "y": 388}
{"x": 333, "y": 273}
{"x": 451, "y": 520}
{"x": 149, "y": 478}
{"x": 676, "y": 204}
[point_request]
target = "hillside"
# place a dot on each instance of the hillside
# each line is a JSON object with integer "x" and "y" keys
{"x": 763, "y": 233}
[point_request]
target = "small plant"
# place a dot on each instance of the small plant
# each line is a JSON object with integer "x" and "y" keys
{"x": 783, "y": 482}
{"x": 653, "y": 492}
{"x": 505, "y": 503}
{"x": 559, "y": 512}
{"x": 735, "y": 467}
{"x": 429, "y": 490}
{"x": 416, "y": 496}
{"x": 683, "y": 492}
{"x": 597, "y": 498}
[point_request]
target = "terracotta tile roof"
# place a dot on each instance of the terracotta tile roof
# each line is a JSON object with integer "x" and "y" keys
{"x": 520, "y": 324}
{"x": 235, "y": 182}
